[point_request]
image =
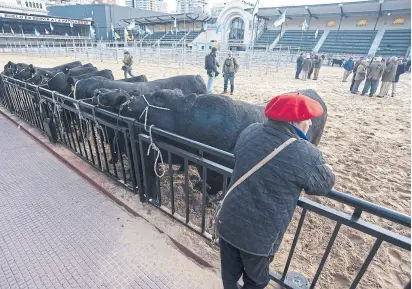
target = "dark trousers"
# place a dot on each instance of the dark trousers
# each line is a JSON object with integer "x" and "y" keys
{"x": 310, "y": 72}
{"x": 128, "y": 71}
{"x": 298, "y": 70}
{"x": 229, "y": 76}
{"x": 353, "y": 81}
{"x": 235, "y": 263}
{"x": 372, "y": 85}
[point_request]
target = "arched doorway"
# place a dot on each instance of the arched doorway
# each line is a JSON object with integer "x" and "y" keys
{"x": 237, "y": 29}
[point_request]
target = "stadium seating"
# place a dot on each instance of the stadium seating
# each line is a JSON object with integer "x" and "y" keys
{"x": 348, "y": 41}
{"x": 394, "y": 43}
{"x": 155, "y": 36}
{"x": 192, "y": 36}
{"x": 267, "y": 37}
{"x": 174, "y": 37}
{"x": 297, "y": 38}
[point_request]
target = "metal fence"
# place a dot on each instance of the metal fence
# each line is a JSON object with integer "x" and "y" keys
{"x": 157, "y": 53}
{"x": 169, "y": 171}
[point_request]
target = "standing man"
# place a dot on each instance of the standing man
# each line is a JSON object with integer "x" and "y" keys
{"x": 348, "y": 67}
{"x": 256, "y": 213}
{"x": 299, "y": 63}
{"x": 355, "y": 68}
{"x": 311, "y": 67}
{"x": 229, "y": 70}
{"x": 211, "y": 66}
{"x": 128, "y": 62}
{"x": 307, "y": 64}
{"x": 360, "y": 76}
{"x": 317, "y": 63}
{"x": 388, "y": 76}
{"x": 373, "y": 73}
{"x": 400, "y": 70}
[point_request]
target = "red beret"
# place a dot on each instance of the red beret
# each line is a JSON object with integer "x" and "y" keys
{"x": 292, "y": 107}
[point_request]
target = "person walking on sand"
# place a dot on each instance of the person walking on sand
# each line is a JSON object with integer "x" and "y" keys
{"x": 388, "y": 76}
{"x": 400, "y": 70}
{"x": 360, "y": 76}
{"x": 317, "y": 63}
{"x": 211, "y": 66}
{"x": 307, "y": 63}
{"x": 373, "y": 73}
{"x": 128, "y": 62}
{"x": 265, "y": 188}
{"x": 229, "y": 70}
{"x": 348, "y": 67}
{"x": 299, "y": 63}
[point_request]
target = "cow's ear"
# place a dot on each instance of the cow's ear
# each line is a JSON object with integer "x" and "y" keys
{"x": 30, "y": 66}
{"x": 189, "y": 101}
{"x": 32, "y": 70}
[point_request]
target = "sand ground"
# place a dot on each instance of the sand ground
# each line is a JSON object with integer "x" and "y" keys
{"x": 366, "y": 141}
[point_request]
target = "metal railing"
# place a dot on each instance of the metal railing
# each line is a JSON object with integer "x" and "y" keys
{"x": 98, "y": 136}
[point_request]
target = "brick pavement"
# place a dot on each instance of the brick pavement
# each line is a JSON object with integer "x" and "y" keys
{"x": 57, "y": 231}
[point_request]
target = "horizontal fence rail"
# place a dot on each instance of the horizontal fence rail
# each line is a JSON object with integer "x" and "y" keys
{"x": 171, "y": 172}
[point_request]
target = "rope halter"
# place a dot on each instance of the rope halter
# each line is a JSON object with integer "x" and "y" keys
{"x": 146, "y": 111}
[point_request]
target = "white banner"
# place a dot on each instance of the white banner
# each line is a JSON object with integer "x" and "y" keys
{"x": 44, "y": 18}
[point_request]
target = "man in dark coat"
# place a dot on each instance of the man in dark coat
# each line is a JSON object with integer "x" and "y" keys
{"x": 211, "y": 66}
{"x": 399, "y": 70}
{"x": 257, "y": 212}
{"x": 299, "y": 63}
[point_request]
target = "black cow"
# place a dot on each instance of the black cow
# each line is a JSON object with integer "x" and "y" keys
{"x": 12, "y": 68}
{"x": 337, "y": 61}
{"x": 187, "y": 83}
{"x": 140, "y": 78}
{"x": 213, "y": 120}
{"x": 80, "y": 70}
{"x": 40, "y": 76}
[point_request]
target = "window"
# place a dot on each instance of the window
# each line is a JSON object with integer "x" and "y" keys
{"x": 27, "y": 4}
{"x": 399, "y": 21}
{"x": 237, "y": 29}
{"x": 37, "y": 5}
{"x": 331, "y": 23}
{"x": 41, "y": 6}
{"x": 362, "y": 22}
{"x": 31, "y": 5}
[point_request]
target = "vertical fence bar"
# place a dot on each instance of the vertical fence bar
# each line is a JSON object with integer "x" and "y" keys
{"x": 186, "y": 188}
{"x": 171, "y": 184}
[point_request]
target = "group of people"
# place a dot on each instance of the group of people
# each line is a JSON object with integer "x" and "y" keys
{"x": 229, "y": 69}
{"x": 311, "y": 64}
{"x": 372, "y": 71}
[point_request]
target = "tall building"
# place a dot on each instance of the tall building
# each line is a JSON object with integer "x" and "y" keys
{"x": 188, "y": 6}
{"x": 142, "y": 4}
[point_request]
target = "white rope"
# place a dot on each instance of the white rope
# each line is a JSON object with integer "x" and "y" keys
{"x": 146, "y": 111}
{"x": 159, "y": 154}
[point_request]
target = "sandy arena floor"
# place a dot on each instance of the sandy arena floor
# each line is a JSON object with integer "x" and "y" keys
{"x": 367, "y": 143}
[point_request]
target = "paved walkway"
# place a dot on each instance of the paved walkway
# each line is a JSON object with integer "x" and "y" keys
{"x": 57, "y": 231}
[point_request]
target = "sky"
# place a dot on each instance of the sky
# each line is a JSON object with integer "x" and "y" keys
{"x": 268, "y": 3}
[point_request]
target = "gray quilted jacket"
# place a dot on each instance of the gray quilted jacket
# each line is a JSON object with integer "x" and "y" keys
{"x": 256, "y": 214}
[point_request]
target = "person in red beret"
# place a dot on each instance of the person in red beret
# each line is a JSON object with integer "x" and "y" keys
{"x": 274, "y": 162}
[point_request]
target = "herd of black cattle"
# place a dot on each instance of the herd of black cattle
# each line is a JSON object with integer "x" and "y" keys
{"x": 178, "y": 104}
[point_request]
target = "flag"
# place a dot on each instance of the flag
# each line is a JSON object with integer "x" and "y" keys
{"x": 47, "y": 32}
{"x": 316, "y": 33}
{"x": 131, "y": 26}
{"x": 126, "y": 35}
{"x": 51, "y": 27}
{"x": 218, "y": 28}
{"x": 71, "y": 23}
{"x": 78, "y": 35}
{"x": 11, "y": 29}
{"x": 171, "y": 30}
{"x": 148, "y": 31}
{"x": 282, "y": 32}
{"x": 175, "y": 23}
{"x": 177, "y": 30}
{"x": 281, "y": 19}
{"x": 37, "y": 33}
{"x": 255, "y": 10}
{"x": 2, "y": 29}
{"x": 113, "y": 33}
{"x": 205, "y": 26}
{"x": 305, "y": 25}
{"x": 92, "y": 31}
{"x": 92, "y": 12}
{"x": 117, "y": 36}
{"x": 65, "y": 34}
